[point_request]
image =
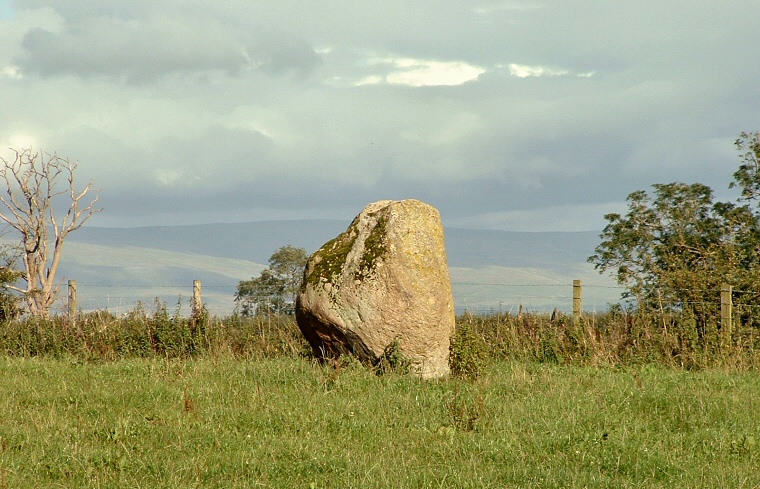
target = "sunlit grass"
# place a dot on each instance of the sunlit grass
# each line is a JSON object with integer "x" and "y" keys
{"x": 289, "y": 422}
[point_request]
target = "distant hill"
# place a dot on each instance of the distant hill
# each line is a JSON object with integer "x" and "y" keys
{"x": 256, "y": 241}
{"x": 116, "y": 267}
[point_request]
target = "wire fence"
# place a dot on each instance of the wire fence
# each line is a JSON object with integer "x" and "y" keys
{"x": 219, "y": 299}
{"x": 495, "y": 297}
{"x": 469, "y": 296}
{"x": 119, "y": 299}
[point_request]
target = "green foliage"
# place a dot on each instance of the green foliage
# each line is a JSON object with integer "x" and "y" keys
{"x": 173, "y": 335}
{"x": 274, "y": 291}
{"x": 287, "y": 264}
{"x": 747, "y": 177}
{"x": 467, "y": 352}
{"x": 9, "y": 305}
{"x": 672, "y": 250}
{"x": 263, "y": 295}
{"x": 9, "y": 275}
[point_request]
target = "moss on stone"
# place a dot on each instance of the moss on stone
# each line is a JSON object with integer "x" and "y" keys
{"x": 327, "y": 262}
{"x": 375, "y": 247}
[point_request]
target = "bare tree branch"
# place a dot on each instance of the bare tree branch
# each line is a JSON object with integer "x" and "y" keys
{"x": 31, "y": 204}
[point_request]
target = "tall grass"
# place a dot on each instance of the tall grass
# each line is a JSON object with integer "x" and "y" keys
{"x": 615, "y": 338}
{"x": 157, "y": 333}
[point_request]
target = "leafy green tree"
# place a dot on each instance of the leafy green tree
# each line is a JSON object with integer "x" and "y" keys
{"x": 747, "y": 177}
{"x": 674, "y": 248}
{"x": 274, "y": 291}
{"x": 9, "y": 301}
{"x": 287, "y": 264}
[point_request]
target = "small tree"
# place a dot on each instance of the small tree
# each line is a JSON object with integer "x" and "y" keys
{"x": 676, "y": 246}
{"x": 274, "y": 291}
{"x": 673, "y": 249}
{"x": 9, "y": 299}
{"x": 32, "y": 203}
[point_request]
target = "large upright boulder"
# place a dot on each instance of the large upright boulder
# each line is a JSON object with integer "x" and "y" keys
{"x": 385, "y": 278}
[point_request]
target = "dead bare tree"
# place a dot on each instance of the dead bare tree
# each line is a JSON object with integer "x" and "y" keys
{"x": 31, "y": 203}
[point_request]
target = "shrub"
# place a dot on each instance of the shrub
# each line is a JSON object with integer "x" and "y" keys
{"x": 175, "y": 336}
{"x": 467, "y": 352}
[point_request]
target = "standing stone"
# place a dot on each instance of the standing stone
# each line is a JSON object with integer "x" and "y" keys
{"x": 385, "y": 278}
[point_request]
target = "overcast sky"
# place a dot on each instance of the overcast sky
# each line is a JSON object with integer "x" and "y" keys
{"x": 505, "y": 115}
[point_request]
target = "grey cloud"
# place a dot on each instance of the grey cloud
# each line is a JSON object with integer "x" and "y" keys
{"x": 76, "y": 10}
{"x": 142, "y": 44}
{"x": 215, "y": 158}
{"x": 138, "y": 51}
{"x": 279, "y": 53}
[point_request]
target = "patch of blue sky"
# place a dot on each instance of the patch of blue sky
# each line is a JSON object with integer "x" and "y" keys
{"x": 6, "y": 10}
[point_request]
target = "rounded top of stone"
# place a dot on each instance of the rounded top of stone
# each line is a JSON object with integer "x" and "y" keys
{"x": 381, "y": 204}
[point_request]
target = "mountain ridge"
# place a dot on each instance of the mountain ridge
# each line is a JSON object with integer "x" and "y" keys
{"x": 257, "y": 240}
{"x": 489, "y": 268}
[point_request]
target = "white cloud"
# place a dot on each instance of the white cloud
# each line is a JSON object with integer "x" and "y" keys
{"x": 422, "y": 72}
{"x": 21, "y": 141}
{"x": 370, "y": 80}
{"x": 11, "y": 71}
{"x": 524, "y": 71}
{"x": 168, "y": 178}
{"x": 171, "y": 178}
{"x": 17, "y": 142}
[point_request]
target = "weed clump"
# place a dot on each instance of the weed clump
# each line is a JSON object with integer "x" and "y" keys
{"x": 393, "y": 360}
{"x": 467, "y": 353}
{"x": 465, "y": 411}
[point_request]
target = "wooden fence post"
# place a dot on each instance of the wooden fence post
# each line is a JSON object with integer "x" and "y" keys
{"x": 577, "y": 300}
{"x": 72, "y": 302}
{"x": 726, "y": 309}
{"x": 197, "y": 304}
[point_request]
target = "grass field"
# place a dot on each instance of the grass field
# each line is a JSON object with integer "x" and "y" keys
{"x": 290, "y": 422}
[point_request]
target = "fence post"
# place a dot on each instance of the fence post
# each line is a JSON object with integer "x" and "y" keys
{"x": 197, "y": 305}
{"x": 72, "y": 302}
{"x": 577, "y": 300}
{"x": 726, "y": 309}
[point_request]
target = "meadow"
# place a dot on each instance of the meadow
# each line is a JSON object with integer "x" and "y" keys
{"x": 156, "y": 400}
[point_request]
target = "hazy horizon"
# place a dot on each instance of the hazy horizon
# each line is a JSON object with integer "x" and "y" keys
{"x": 490, "y": 269}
